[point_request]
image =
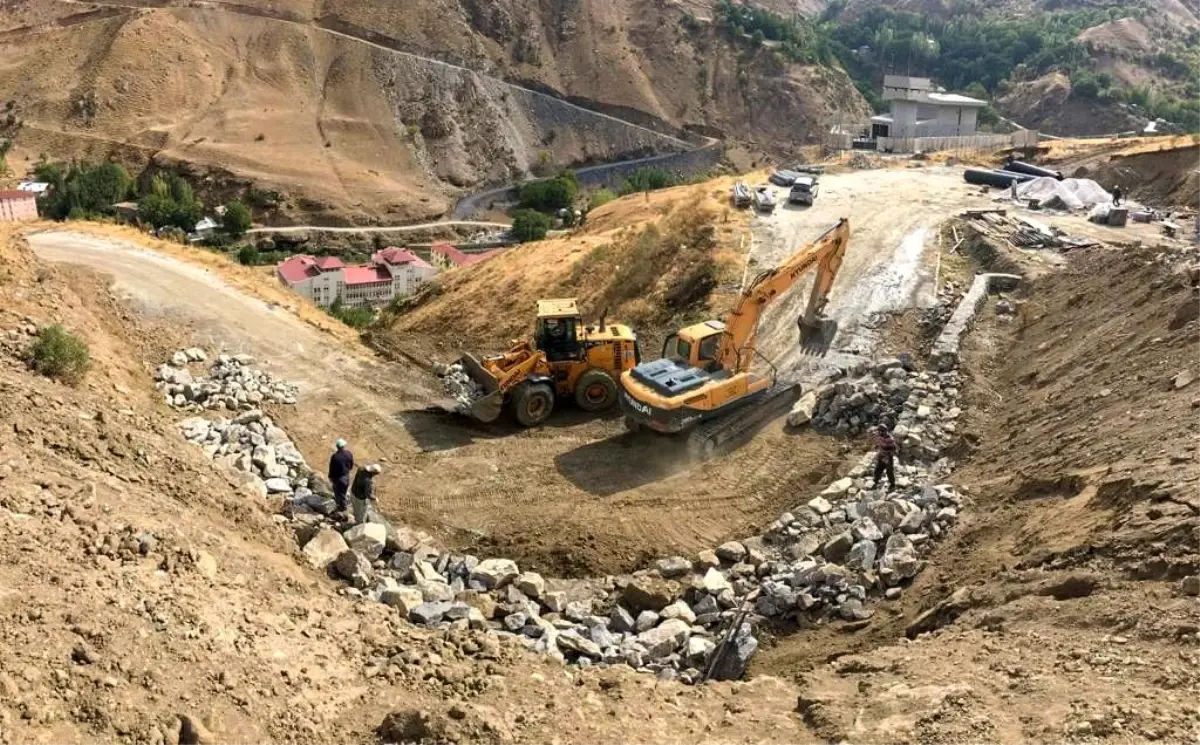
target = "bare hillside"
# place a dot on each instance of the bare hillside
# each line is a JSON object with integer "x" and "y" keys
{"x": 365, "y": 111}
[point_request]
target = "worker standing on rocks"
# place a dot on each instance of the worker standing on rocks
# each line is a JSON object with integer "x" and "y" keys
{"x": 362, "y": 493}
{"x": 1117, "y": 195}
{"x": 885, "y": 456}
{"x": 341, "y": 463}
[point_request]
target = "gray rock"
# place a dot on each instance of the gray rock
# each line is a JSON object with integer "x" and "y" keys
{"x": 914, "y": 521}
{"x": 804, "y": 546}
{"x": 665, "y": 638}
{"x": 428, "y": 614}
{"x": 673, "y": 566}
{"x": 736, "y": 655}
{"x": 514, "y": 621}
{"x": 732, "y": 552}
{"x": 836, "y": 489}
{"x": 679, "y": 609}
{"x": 802, "y": 411}
{"x": 714, "y": 582}
{"x": 325, "y": 546}
{"x": 367, "y": 539}
{"x": 600, "y": 635}
{"x": 705, "y": 606}
{"x": 622, "y": 621}
{"x": 899, "y": 561}
{"x": 495, "y": 573}
{"x": 531, "y": 583}
{"x": 278, "y": 485}
{"x": 572, "y": 642}
{"x": 862, "y": 555}
{"x": 354, "y": 568}
{"x": 819, "y": 505}
{"x": 649, "y": 593}
{"x": 836, "y": 548}
{"x": 645, "y": 620}
{"x": 403, "y": 599}
{"x": 697, "y": 650}
{"x": 555, "y": 602}
{"x": 578, "y": 610}
{"x": 1190, "y": 585}
{"x": 435, "y": 590}
{"x": 865, "y": 529}
{"x": 852, "y": 610}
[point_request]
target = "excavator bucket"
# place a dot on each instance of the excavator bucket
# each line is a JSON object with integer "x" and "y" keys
{"x": 817, "y": 337}
{"x": 488, "y": 406}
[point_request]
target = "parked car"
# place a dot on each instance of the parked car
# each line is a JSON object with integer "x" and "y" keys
{"x": 764, "y": 200}
{"x": 741, "y": 195}
{"x": 783, "y": 178}
{"x": 803, "y": 191}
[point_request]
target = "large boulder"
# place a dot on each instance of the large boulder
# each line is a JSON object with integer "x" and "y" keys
{"x": 861, "y": 556}
{"x": 802, "y": 412}
{"x": 325, "y": 546}
{"x": 665, "y": 639}
{"x": 836, "y": 548}
{"x": 354, "y": 568}
{"x": 403, "y": 599}
{"x": 899, "y": 561}
{"x": 736, "y": 655}
{"x": 495, "y": 573}
{"x": 368, "y": 539}
{"x": 650, "y": 593}
{"x": 531, "y": 583}
{"x": 673, "y": 566}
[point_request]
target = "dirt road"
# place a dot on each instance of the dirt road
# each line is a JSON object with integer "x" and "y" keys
{"x": 576, "y": 497}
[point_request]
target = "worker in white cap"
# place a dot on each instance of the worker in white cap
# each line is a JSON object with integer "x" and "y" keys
{"x": 341, "y": 464}
{"x": 362, "y": 493}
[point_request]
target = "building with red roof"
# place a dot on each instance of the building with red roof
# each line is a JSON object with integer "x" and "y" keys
{"x": 446, "y": 256}
{"x": 392, "y": 272}
{"x": 18, "y": 206}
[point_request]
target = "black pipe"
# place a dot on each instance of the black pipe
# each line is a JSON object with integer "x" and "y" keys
{"x": 994, "y": 178}
{"x": 1017, "y": 166}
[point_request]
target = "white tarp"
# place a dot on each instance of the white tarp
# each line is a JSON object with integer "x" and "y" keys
{"x": 1071, "y": 193}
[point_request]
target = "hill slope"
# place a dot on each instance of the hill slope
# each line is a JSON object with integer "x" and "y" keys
{"x": 349, "y": 105}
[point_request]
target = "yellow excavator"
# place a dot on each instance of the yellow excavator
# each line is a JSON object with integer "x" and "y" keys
{"x": 703, "y": 384}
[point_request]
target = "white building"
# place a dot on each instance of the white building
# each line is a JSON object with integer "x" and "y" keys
{"x": 392, "y": 272}
{"x": 920, "y": 111}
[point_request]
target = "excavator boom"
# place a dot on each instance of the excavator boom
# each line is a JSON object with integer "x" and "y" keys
{"x": 816, "y": 333}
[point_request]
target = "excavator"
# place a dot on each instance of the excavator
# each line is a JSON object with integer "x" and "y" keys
{"x": 703, "y": 384}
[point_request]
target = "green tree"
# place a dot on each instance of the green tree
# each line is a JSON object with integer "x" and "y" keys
{"x": 550, "y": 195}
{"x": 82, "y": 190}
{"x": 236, "y": 220}
{"x": 530, "y": 225}
{"x": 170, "y": 202}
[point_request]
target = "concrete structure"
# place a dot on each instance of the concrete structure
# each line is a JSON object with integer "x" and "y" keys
{"x": 444, "y": 256}
{"x": 920, "y": 111}
{"x": 18, "y": 206}
{"x": 38, "y": 188}
{"x": 392, "y": 272}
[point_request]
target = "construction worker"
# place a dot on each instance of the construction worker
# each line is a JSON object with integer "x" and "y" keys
{"x": 362, "y": 493}
{"x": 1116, "y": 195}
{"x": 341, "y": 464}
{"x": 885, "y": 456}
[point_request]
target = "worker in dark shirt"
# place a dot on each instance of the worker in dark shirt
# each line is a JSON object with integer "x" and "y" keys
{"x": 885, "y": 456}
{"x": 362, "y": 492}
{"x": 1116, "y": 192}
{"x": 341, "y": 464}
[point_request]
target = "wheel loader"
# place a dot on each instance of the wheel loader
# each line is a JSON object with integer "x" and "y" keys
{"x": 566, "y": 360}
{"x": 703, "y": 385}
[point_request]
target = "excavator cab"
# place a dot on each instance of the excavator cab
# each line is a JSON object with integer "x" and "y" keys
{"x": 698, "y": 345}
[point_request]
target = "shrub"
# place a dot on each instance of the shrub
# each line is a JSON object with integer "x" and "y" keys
{"x": 648, "y": 179}
{"x": 358, "y": 318}
{"x": 60, "y": 355}
{"x": 170, "y": 202}
{"x": 236, "y": 219}
{"x": 550, "y": 195}
{"x": 601, "y": 198}
{"x": 248, "y": 255}
{"x": 529, "y": 225}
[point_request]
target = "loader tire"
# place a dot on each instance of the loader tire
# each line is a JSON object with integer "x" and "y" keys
{"x": 596, "y": 391}
{"x": 532, "y": 403}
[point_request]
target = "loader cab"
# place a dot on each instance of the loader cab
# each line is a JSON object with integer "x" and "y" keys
{"x": 559, "y": 331}
{"x": 698, "y": 345}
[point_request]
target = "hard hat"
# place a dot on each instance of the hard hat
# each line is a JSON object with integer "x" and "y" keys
{"x": 340, "y": 443}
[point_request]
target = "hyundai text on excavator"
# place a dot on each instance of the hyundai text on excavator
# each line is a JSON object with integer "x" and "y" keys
{"x": 566, "y": 359}
{"x": 703, "y": 384}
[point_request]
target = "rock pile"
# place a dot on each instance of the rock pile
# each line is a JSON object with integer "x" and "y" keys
{"x": 856, "y": 399}
{"x": 459, "y": 386}
{"x": 232, "y": 383}
{"x": 251, "y": 443}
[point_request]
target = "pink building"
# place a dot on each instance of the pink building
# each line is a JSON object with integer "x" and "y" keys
{"x": 392, "y": 272}
{"x": 446, "y": 256}
{"x": 18, "y": 206}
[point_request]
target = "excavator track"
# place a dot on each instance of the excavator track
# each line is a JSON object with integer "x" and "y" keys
{"x": 718, "y": 435}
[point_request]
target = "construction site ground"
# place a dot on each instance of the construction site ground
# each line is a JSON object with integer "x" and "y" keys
{"x": 1083, "y": 479}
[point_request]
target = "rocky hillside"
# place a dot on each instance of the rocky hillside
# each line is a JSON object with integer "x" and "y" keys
{"x": 360, "y": 110}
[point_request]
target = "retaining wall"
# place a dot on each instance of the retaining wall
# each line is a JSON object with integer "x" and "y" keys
{"x": 946, "y": 348}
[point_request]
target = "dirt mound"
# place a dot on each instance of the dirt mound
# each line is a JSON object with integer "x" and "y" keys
{"x": 1164, "y": 178}
{"x": 1122, "y": 35}
{"x": 652, "y": 262}
{"x": 1046, "y": 104}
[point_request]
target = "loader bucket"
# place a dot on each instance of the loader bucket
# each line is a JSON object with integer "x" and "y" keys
{"x": 487, "y": 408}
{"x": 817, "y": 337}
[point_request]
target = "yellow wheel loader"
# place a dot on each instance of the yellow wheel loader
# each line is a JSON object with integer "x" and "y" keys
{"x": 566, "y": 360}
{"x": 703, "y": 384}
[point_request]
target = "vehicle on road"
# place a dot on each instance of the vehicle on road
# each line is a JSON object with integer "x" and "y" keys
{"x": 703, "y": 384}
{"x": 764, "y": 199}
{"x": 566, "y": 360}
{"x": 741, "y": 195}
{"x": 803, "y": 191}
{"x": 783, "y": 177}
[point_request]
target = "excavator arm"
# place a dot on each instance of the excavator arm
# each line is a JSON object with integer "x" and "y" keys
{"x": 741, "y": 326}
